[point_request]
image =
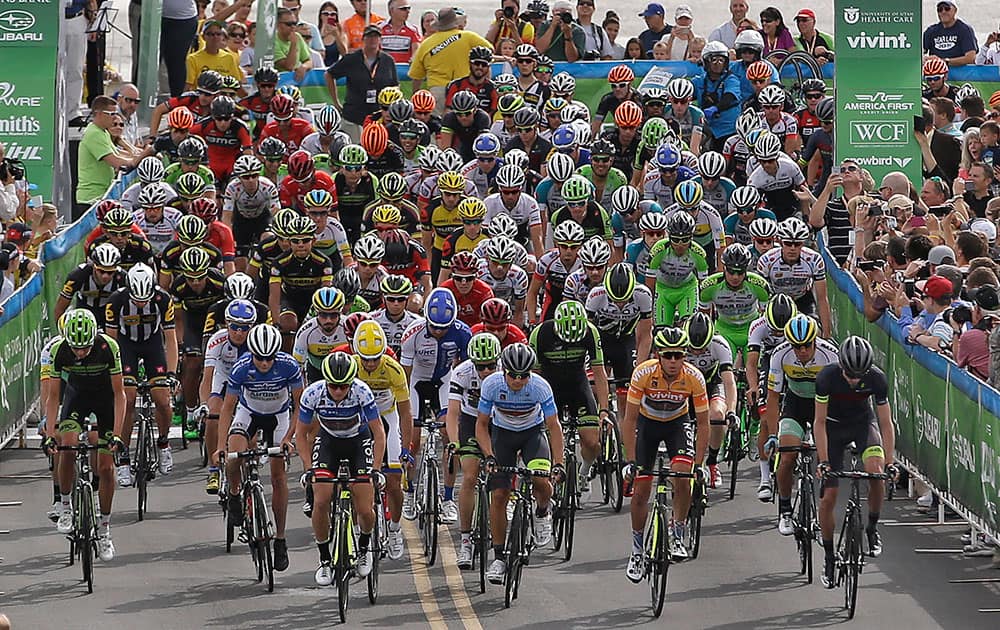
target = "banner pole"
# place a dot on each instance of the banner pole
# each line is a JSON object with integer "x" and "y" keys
{"x": 148, "y": 76}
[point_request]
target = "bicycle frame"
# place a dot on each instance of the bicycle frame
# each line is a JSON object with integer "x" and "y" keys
{"x": 804, "y": 512}
{"x": 257, "y": 528}
{"x": 520, "y": 533}
{"x": 83, "y": 538}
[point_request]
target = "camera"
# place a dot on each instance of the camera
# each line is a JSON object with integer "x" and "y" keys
{"x": 875, "y": 210}
{"x": 957, "y": 314}
{"x": 870, "y": 265}
{"x": 566, "y": 17}
{"x": 508, "y": 12}
{"x": 941, "y": 211}
{"x": 11, "y": 169}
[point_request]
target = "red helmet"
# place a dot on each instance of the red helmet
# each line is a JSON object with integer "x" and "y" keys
{"x": 104, "y": 206}
{"x": 375, "y": 139}
{"x": 758, "y": 70}
{"x": 464, "y": 264}
{"x": 935, "y": 66}
{"x": 300, "y": 166}
{"x": 628, "y": 114}
{"x": 495, "y": 312}
{"x": 423, "y": 101}
{"x": 352, "y": 322}
{"x": 621, "y": 74}
{"x": 180, "y": 118}
{"x": 205, "y": 209}
{"x": 282, "y": 106}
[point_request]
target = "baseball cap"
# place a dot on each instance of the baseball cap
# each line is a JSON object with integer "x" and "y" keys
{"x": 985, "y": 227}
{"x": 683, "y": 10}
{"x": 653, "y": 8}
{"x": 371, "y": 29}
{"x": 940, "y": 253}
{"x": 897, "y": 202}
{"x": 937, "y": 287}
{"x": 805, "y": 13}
{"x": 210, "y": 23}
{"x": 953, "y": 3}
{"x": 988, "y": 300}
{"x": 18, "y": 232}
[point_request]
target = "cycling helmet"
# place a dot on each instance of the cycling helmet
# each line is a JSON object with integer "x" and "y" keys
{"x": 282, "y": 106}
{"x": 484, "y": 347}
{"x": 246, "y": 165}
{"x": 464, "y": 101}
{"x": 209, "y": 82}
{"x": 450, "y": 160}
{"x": 754, "y": 135}
{"x": 779, "y": 310}
{"x": 564, "y": 137}
{"x": 767, "y": 147}
{"x": 387, "y": 214}
{"x": 464, "y": 263}
{"x": 486, "y": 144}
{"x": 353, "y": 155}
{"x": 389, "y": 95}
{"x": 793, "y": 229}
{"x": 688, "y": 194}
{"x": 428, "y": 158}
{"x": 80, "y": 329}
{"x": 153, "y": 196}
{"x": 680, "y": 89}
{"x": 451, "y": 182}
{"x": 654, "y": 93}
{"x": 265, "y": 74}
{"x": 481, "y": 53}
{"x": 191, "y": 230}
{"x": 759, "y": 70}
{"x": 595, "y": 252}
{"x": 301, "y": 166}
{"x": 518, "y": 359}
{"x": 241, "y": 312}
{"x": 328, "y": 300}
{"x": 562, "y": 84}
{"x": 400, "y": 110}
{"x": 526, "y": 50}
{"x": 620, "y": 74}
{"x": 856, "y": 356}
{"x": 339, "y": 368}
{"x": 505, "y": 80}
{"x": 628, "y": 114}
{"x": 495, "y": 312}
{"x": 699, "y": 330}
{"x": 560, "y": 167}
{"x": 191, "y": 149}
{"x": 271, "y": 147}
{"x": 223, "y": 107}
{"x": 106, "y": 256}
{"x": 826, "y": 109}
{"x": 568, "y": 233}
{"x": 180, "y": 118}
{"x": 318, "y": 198}
{"x": 369, "y": 249}
{"x": 801, "y": 330}
{"x": 571, "y": 322}
{"x": 190, "y": 186}
{"x": 194, "y": 262}
{"x": 369, "y": 340}
{"x": 965, "y": 91}
{"x": 348, "y": 281}
{"x": 471, "y": 209}
{"x": 625, "y": 199}
{"x": 935, "y": 66}
{"x": 711, "y": 164}
{"x": 150, "y": 170}
{"x": 423, "y": 101}
{"x": 239, "y": 286}
{"x": 737, "y": 257}
{"x": 747, "y": 122}
{"x": 375, "y": 139}
{"x": 771, "y": 95}
{"x": 744, "y": 197}
{"x": 293, "y": 92}
{"x": 499, "y": 249}
{"x": 619, "y": 282}
{"x": 392, "y": 186}
{"x": 510, "y": 103}
{"x": 749, "y": 38}
{"x": 510, "y": 176}
{"x": 813, "y": 85}
{"x": 667, "y": 157}
{"x": 396, "y": 285}
{"x": 502, "y": 225}
{"x": 282, "y": 221}
{"x": 327, "y": 120}
{"x": 205, "y": 209}
{"x": 653, "y": 222}
{"x": 141, "y": 280}
{"x": 715, "y": 49}
{"x": 671, "y": 339}
{"x": 763, "y": 227}
{"x": 301, "y": 226}
{"x": 526, "y": 117}
{"x": 441, "y": 308}
{"x": 680, "y": 224}
{"x": 117, "y": 219}
{"x": 554, "y": 104}
{"x": 603, "y": 146}
{"x": 412, "y": 128}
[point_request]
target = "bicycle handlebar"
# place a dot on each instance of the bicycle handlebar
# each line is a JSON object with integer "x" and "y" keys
{"x": 855, "y": 474}
{"x": 274, "y": 451}
{"x": 82, "y": 447}
{"x": 802, "y": 448}
{"x": 525, "y": 472}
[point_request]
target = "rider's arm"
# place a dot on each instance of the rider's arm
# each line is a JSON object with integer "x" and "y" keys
{"x": 406, "y": 421}
{"x": 296, "y": 398}
{"x": 701, "y": 436}
{"x": 819, "y": 429}
{"x": 643, "y": 339}
{"x": 532, "y": 299}
{"x": 118, "y": 385}
{"x": 454, "y": 411}
{"x": 771, "y": 413}
{"x": 884, "y": 415}
{"x": 205, "y": 388}
{"x": 226, "y": 419}
{"x": 535, "y": 232}
{"x": 826, "y": 321}
{"x": 170, "y": 339}
{"x": 556, "y": 438}
{"x": 62, "y": 303}
{"x": 483, "y": 434}
{"x": 753, "y": 373}
{"x": 274, "y": 300}
{"x": 729, "y": 386}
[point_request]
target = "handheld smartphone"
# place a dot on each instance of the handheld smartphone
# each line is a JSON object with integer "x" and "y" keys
{"x": 835, "y": 169}
{"x": 866, "y": 265}
{"x": 970, "y": 186}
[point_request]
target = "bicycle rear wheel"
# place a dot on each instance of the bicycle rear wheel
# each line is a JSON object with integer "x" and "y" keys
{"x": 87, "y": 531}
{"x": 658, "y": 559}
{"x": 431, "y": 509}
{"x": 381, "y": 526}
{"x": 202, "y": 447}
{"x": 483, "y": 533}
{"x": 695, "y": 514}
{"x": 142, "y": 464}
{"x": 560, "y": 506}
{"x": 569, "y": 515}
{"x": 343, "y": 561}
{"x": 513, "y": 553}
{"x": 804, "y": 529}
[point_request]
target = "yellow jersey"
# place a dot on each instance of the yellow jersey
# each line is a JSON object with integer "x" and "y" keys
{"x": 387, "y": 382}
{"x": 444, "y": 57}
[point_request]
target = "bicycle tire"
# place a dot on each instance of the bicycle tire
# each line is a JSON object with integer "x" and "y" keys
{"x": 202, "y": 446}
{"x": 805, "y": 530}
{"x": 613, "y": 467}
{"x": 733, "y": 455}
{"x": 250, "y": 532}
{"x": 141, "y": 466}
{"x": 695, "y": 514}
{"x": 433, "y": 502}
{"x": 569, "y": 516}
{"x": 559, "y": 509}
{"x": 342, "y": 578}
{"x": 513, "y": 553}
{"x": 854, "y": 561}
{"x": 378, "y": 531}
{"x": 483, "y": 528}
{"x": 87, "y": 533}
{"x": 263, "y": 536}
{"x": 343, "y": 565}
{"x": 658, "y": 556}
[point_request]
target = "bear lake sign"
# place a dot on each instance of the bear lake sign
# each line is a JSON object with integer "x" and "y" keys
{"x": 878, "y": 84}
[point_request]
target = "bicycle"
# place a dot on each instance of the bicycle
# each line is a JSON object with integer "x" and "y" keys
{"x": 427, "y": 486}
{"x": 145, "y": 458}
{"x": 804, "y": 513}
{"x": 257, "y": 528}
{"x": 521, "y": 530}
{"x": 850, "y": 554}
{"x": 481, "y": 524}
{"x": 736, "y": 442}
{"x": 379, "y": 541}
{"x": 696, "y": 512}
{"x": 609, "y": 458}
{"x": 566, "y": 495}
{"x": 83, "y": 538}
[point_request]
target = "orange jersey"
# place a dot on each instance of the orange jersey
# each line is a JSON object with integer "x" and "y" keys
{"x": 664, "y": 400}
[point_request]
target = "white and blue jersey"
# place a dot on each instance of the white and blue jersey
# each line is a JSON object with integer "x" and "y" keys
{"x": 345, "y": 419}
{"x": 429, "y": 358}
{"x": 516, "y": 410}
{"x": 265, "y": 393}
{"x": 221, "y": 355}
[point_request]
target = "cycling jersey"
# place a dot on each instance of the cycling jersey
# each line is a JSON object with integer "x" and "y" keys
{"x": 191, "y": 101}
{"x": 139, "y": 323}
{"x": 216, "y": 316}
{"x": 136, "y": 250}
{"x": 81, "y": 283}
{"x": 521, "y": 257}
{"x": 45, "y": 359}
{"x": 503, "y": 133}
{"x": 300, "y": 277}
{"x": 637, "y": 254}
{"x": 171, "y": 257}
{"x": 312, "y": 344}
{"x": 559, "y": 360}
{"x": 352, "y": 202}
{"x": 469, "y": 303}
{"x": 762, "y": 338}
{"x": 391, "y": 160}
{"x": 221, "y": 236}
{"x": 394, "y": 329}
{"x": 626, "y": 227}
{"x": 91, "y": 374}
{"x": 223, "y": 147}
{"x": 130, "y": 198}
{"x": 387, "y": 382}
{"x": 778, "y": 188}
{"x": 313, "y": 144}
{"x": 268, "y": 392}
{"x": 513, "y": 334}
{"x": 292, "y": 194}
{"x": 708, "y": 230}
{"x": 295, "y": 132}
{"x": 734, "y": 306}
{"x": 159, "y": 234}
{"x": 221, "y": 355}
{"x": 511, "y": 288}
{"x": 793, "y": 279}
{"x": 174, "y": 172}
{"x": 807, "y": 122}
{"x": 518, "y": 410}
{"x": 525, "y": 213}
{"x": 713, "y": 360}
{"x": 673, "y": 270}
{"x": 345, "y": 419}
{"x": 247, "y": 205}
{"x": 738, "y": 229}
{"x": 625, "y": 156}
{"x": 258, "y": 109}
{"x": 718, "y": 195}
{"x": 851, "y": 405}
{"x": 548, "y": 193}
{"x": 663, "y": 400}
{"x": 410, "y": 214}
{"x": 552, "y": 273}
{"x": 595, "y": 222}
{"x": 332, "y": 242}
{"x": 428, "y": 191}
{"x": 785, "y": 126}
{"x": 614, "y": 180}
{"x": 465, "y": 387}
{"x": 463, "y": 137}
{"x": 786, "y": 374}
{"x": 654, "y": 188}
{"x": 483, "y": 180}
{"x": 577, "y": 286}
{"x": 459, "y": 241}
{"x": 537, "y": 153}
{"x": 692, "y": 120}
{"x": 616, "y": 319}
{"x": 737, "y": 154}
{"x": 408, "y": 258}
{"x": 429, "y": 358}
{"x": 197, "y": 304}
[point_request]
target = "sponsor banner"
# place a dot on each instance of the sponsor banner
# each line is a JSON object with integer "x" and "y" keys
{"x": 33, "y": 23}
{"x": 148, "y": 75}
{"x": 876, "y": 107}
{"x": 263, "y": 50}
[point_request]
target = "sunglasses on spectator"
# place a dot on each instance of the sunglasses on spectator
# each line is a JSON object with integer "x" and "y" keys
{"x": 118, "y": 125}
{"x": 329, "y": 13}
{"x": 850, "y": 168}
{"x": 239, "y": 34}
{"x": 215, "y": 34}
{"x": 289, "y": 24}
{"x": 129, "y": 99}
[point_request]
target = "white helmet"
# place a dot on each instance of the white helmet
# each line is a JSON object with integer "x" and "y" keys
{"x": 246, "y": 165}
{"x": 749, "y": 38}
{"x": 763, "y": 227}
{"x": 369, "y": 249}
{"x": 793, "y": 229}
{"x": 239, "y": 286}
{"x": 680, "y": 89}
{"x": 153, "y": 196}
{"x": 429, "y": 157}
{"x": 560, "y": 167}
{"x": 450, "y": 160}
{"x": 510, "y": 176}
{"x": 747, "y": 122}
{"x": 771, "y": 95}
{"x": 264, "y": 341}
{"x": 653, "y": 222}
{"x": 711, "y": 164}
{"x": 502, "y": 225}
{"x": 516, "y": 157}
{"x": 106, "y": 256}
{"x": 625, "y": 198}
{"x": 713, "y": 49}
{"x": 569, "y": 232}
{"x": 595, "y": 252}
{"x": 150, "y": 170}
{"x": 768, "y": 147}
{"x": 141, "y": 282}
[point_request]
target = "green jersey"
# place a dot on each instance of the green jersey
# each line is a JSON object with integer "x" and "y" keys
{"x": 739, "y": 306}
{"x": 672, "y": 269}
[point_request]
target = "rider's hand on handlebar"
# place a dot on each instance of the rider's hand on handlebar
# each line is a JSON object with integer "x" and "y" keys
{"x": 822, "y": 469}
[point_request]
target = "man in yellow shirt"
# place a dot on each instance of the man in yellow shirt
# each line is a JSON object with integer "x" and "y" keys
{"x": 444, "y": 56}
{"x": 214, "y": 56}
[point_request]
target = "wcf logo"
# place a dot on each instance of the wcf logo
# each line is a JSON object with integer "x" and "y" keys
{"x": 889, "y": 132}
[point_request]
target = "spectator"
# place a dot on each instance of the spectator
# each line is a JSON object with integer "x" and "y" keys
{"x": 634, "y": 50}
{"x": 247, "y": 54}
{"x": 681, "y": 35}
{"x": 212, "y": 56}
{"x": 331, "y": 34}
{"x": 400, "y": 39}
{"x": 726, "y": 32}
{"x": 934, "y": 192}
{"x": 612, "y": 26}
{"x": 656, "y": 27}
{"x": 972, "y": 346}
{"x": 695, "y": 49}
{"x": 598, "y": 44}
{"x": 944, "y": 116}
{"x": 12, "y": 199}
{"x": 444, "y": 56}
{"x": 776, "y": 35}
{"x": 8, "y": 259}
{"x": 356, "y": 24}
{"x": 178, "y": 27}
{"x": 508, "y": 22}
{"x": 291, "y": 53}
{"x": 661, "y": 52}
{"x": 973, "y": 111}
{"x": 894, "y": 183}
{"x": 560, "y": 38}
{"x": 44, "y": 224}
{"x": 314, "y": 39}
{"x": 366, "y": 70}
{"x": 875, "y": 279}
{"x": 814, "y": 42}
{"x": 236, "y": 39}
{"x": 427, "y": 26}
{"x": 73, "y": 39}
{"x": 969, "y": 245}
{"x": 972, "y": 151}
{"x": 831, "y": 212}
{"x": 117, "y": 130}
{"x": 98, "y": 157}
{"x": 950, "y": 39}
{"x": 929, "y": 329}
{"x": 989, "y": 54}
{"x": 747, "y": 24}
{"x": 979, "y": 198}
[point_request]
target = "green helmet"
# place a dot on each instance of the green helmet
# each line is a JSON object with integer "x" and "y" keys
{"x": 353, "y": 155}
{"x": 653, "y": 131}
{"x": 571, "y": 321}
{"x": 577, "y": 188}
{"x": 484, "y": 347}
{"x": 190, "y": 185}
{"x": 81, "y": 328}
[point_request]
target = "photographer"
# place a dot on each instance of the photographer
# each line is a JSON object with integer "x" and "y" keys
{"x": 560, "y": 38}
{"x": 972, "y": 346}
{"x": 975, "y": 191}
{"x": 13, "y": 196}
{"x": 598, "y": 44}
{"x": 873, "y": 275}
{"x": 507, "y": 23}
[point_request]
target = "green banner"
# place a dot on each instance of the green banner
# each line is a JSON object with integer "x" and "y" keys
{"x": 263, "y": 49}
{"x": 148, "y": 75}
{"x": 878, "y": 84}
{"x": 21, "y": 340}
{"x": 29, "y": 41}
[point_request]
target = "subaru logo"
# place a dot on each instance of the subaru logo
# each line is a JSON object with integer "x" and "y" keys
{"x": 16, "y": 21}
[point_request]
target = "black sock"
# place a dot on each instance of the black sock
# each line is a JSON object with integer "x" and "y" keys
{"x": 55, "y": 492}
{"x": 163, "y": 441}
{"x": 95, "y": 481}
{"x": 872, "y": 521}
{"x": 784, "y": 505}
{"x": 713, "y": 456}
{"x": 498, "y": 552}
{"x": 828, "y": 548}
{"x": 324, "y": 550}
{"x": 363, "y": 541}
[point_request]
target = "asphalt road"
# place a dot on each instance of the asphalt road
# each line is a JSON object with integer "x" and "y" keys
{"x": 171, "y": 571}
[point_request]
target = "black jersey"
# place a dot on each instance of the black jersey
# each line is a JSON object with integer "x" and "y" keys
{"x": 198, "y": 303}
{"x": 92, "y": 373}
{"x": 847, "y": 405}
{"x": 300, "y": 277}
{"x": 137, "y": 250}
{"x": 170, "y": 259}
{"x": 80, "y": 283}
{"x": 139, "y": 323}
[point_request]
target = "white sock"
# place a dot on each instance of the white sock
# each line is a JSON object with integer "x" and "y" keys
{"x": 765, "y": 471}
{"x": 393, "y": 526}
{"x": 585, "y": 470}
{"x": 106, "y": 523}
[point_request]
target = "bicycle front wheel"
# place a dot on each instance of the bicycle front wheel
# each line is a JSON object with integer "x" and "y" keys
{"x": 87, "y": 530}
{"x": 569, "y": 516}
{"x": 381, "y": 527}
{"x": 804, "y": 529}
{"x": 431, "y": 509}
{"x": 143, "y": 453}
{"x": 657, "y": 559}
{"x": 515, "y": 545}
{"x": 482, "y": 532}
{"x": 853, "y": 559}
{"x": 262, "y": 535}
{"x": 611, "y": 477}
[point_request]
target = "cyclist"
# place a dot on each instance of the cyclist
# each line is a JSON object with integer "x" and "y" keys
{"x": 191, "y": 158}
{"x": 744, "y": 208}
{"x": 441, "y": 217}
{"x": 370, "y": 250}
{"x": 595, "y": 253}
{"x": 777, "y": 176}
{"x": 301, "y": 179}
{"x": 508, "y": 280}
{"x": 272, "y": 152}
{"x": 191, "y": 234}
{"x": 559, "y": 167}
{"x": 92, "y": 365}
{"x": 737, "y": 148}
{"x": 150, "y": 172}
{"x": 806, "y": 117}
{"x": 553, "y": 268}
{"x": 427, "y": 190}
{"x": 625, "y": 137}
{"x": 219, "y": 234}
{"x": 391, "y": 199}
{"x": 516, "y": 409}
{"x": 286, "y": 126}
{"x": 356, "y": 188}
{"x": 221, "y": 352}
{"x": 777, "y": 121}
{"x": 659, "y": 183}
{"x": 408, "y": 258}
{"x": 708, "y": 231}
{"x": 844, "y": 396}
{"x": 762, "y": 233}
{"x": 387, "y": 380}
{"x": 239, "y": 286}
{"x": 652, "y": 229}
{"x": 689, "y": 118}
{"x": 716, "y": 187}
{"x": 197, "y": 101}
{"x": 48, "y": 388}
{"x": 154, "y": 217}
{"x": 791, "y": 390}
{"x": 383, "y": 156}
{"x": 295, "y": 276}
{"x": 394, "y": 317}
{"x": 321, "y": 333}
{"x": 471, "y": 212}
{"x": 140, "y": 318}
{"x": 226, "y": 137}
{"x": 470, "y": 292}
{"x": 661, "y": 395}
{"x": 92, "y": 283}
{"x": 482, "y": 170}
{"x": 511, "y": 200}
{"x": 675, "y": 266}
{"x": 565, "y": 345}
{"x": 798, "y": 271}
{"x": 258, "y": 105}
{"x": 328, "y": 139}
{"x": 262, "y": 395}
{"x": 496, "y": 318}
{"x": 179, "y": 123}
{"x": 711, "y": 354}
{"x": 248, "y": 204}
{"x": 528, "y": 139}
{"x": 117, "y": 229}
{"x": 331, "y": 237}
{"x": 735, "y": 295}
{"x": 504, "y": 129}
{"x": 620, "y": 79}
{"x": 348, "y": 281}
{"x": 411, "y": 134}
{"x": 423, "y": 110}
{"x": 604, "y": 177}
{"x": 462, "y": 125}
{"x": 627, "y": 208}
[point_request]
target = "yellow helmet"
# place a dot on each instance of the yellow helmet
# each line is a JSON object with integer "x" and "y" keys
{"x": 369, "y": 340}
{"x": 452, "y": 182}
{"x": 387, "y": 214}
{"x": 389, "y": 95}
{"x": 471, "y": 209}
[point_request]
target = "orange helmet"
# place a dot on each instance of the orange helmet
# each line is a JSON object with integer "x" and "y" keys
{"x": 180, "y": 118}
{"x": 628, "y": 114}
{"x": 935, "y": 66}
{"x": 423, "y": 101}
{"x": 375, "y": 139}
{"x": 758, "y": 70}
{"x": 621, "y": 74}
{"x": 995, "y": 100}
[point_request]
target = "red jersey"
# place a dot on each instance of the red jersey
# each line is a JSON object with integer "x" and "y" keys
{"x": 514, "y": 334}
{"x": 223, "y": 146}
{"x": 99, "y": 231}
{"x": 486, "y": 93}
{"x": 258, "y": 109}
{"x": 470, "y": 303}
{"x": 399, "y": 44}
{"x": 292, "y": 137}
{"x": 408, "y": 260}
{"x": 189, "y": 100}
{"x": 292, "y": 193}
{"x": 221, "y": 235}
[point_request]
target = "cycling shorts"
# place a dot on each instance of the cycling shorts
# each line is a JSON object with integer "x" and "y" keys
{"x": 299, "y": 306}
{"x": 431, "y": 394}
{"x": 619, "y": 355}
{"x": 575, "y": 393}
{"x": 867, "y": 440}
{"x": 796, "y": 415}
{"x": 807, "y": 304}
{"x": 737, "y": 336}
{"x": 274, "y": 425}
{"x": 359, "y": 451}
{"x": 153, "y": 355}
{"x": 531, "y": 443}
{"x": 675, "y": 303}
{"x": 677, "y": 435}
{"x": 77, "y": 407}
{"x": 193, "y": 333}
{"x": 468, "y": 446}
{"x": 715, "y": 389}
{"x": 247, "y": 232}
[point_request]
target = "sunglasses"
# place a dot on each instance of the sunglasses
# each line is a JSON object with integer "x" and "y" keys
{"x": 106, "y": 272}
{"x": 943, "y": 7}
{"x": 324, "y": 315}
{"x": 338, "y": 387}
{"x": 671, "y": 355}
{"x": 354, "y": 168}
{"x": 933, "y": 77}
{"x": 472, "y": 221}
{"x": 238, "y": 34}
{"x": 768, "y": 161}
{"x": 622, "y": 85}
{"x": 463, "y": 278}
{"x": 672, "y": 169}
{"x": 772, "y": 106}
{"x": 317, "y": 213}
{"x": 570, "y": 246}
{"x": 300, "y": 240}
{"x": 329, "y": 13}
{"x": 222, "y": 118}
{"x": 655, "y": 233}
{"x": 118, "y": 126}
{"x": 764, "y": 241}
{"x": 289, "y": 24}
{"x": 736, "y": 271}
{"x": 134, "y": 101}
{"x": 600, "y": 158}
{"x": 850, "y": 169}
{"x": 518, "y": 376}
{"x": 250, "y": 176}
{"x": 792, "y": 243}
{"x": 239, "y": 327}
{"x": 553, "y": 115}
{"x": 801, "y": 346}
{"x": 525, "y": 61}
{"x": 369, "y": 263}
{"x": 525, "y": 129}
{"x": 656, "y": 103}
{"x": 486, "y": 159}
{"x": 480, "y": 63}
{"x": 680, "y": 240}
{"x": 815, "y": 95}
{"x": 395, "y": 299}
{"x": 267, "y": 359}
{"x": 576, "y": 204}
{"x": 482, "y": 367}
{"x": 749, "y": 210}
{"x": 463, "y": 114}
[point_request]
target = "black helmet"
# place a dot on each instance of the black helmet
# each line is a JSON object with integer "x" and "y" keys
{"x": 526, "y": 117}
{"x": 700, "y": 329}
{"x": 826, "y": 109}
{"x": 603, "y": 146}
{"x": 464, "y": 101}
{"x": 518, "y": 358}
{"x": 191, "y": 149}
{"x": 210, "y": 81}
{"x": 265, "y": 74}
{"x": 813, "y": 85}
{"x": 223, "y": 107}
{"x": 481, "y": 53}
{"x": 272, "y": 147}
{"x": 348, "y": 281}
{"x": 737, "y": 257}
{"x": 619, "y": 283}
{"x": 400, "y": 111}
{"x": 412, "y": 127}
{"x": 856, "y": 356}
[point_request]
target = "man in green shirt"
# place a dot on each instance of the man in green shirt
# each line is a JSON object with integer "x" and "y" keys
{"x": 98, "y": 158}
{"x": 291, "y": 52}
{"x": 559, "y": 38}
{"x": 813, "y": 41}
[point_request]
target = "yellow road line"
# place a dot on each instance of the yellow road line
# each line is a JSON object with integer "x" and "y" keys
{"x": 421, "y": 579}
{"x": 453, "y": 576}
